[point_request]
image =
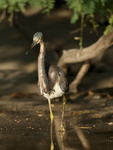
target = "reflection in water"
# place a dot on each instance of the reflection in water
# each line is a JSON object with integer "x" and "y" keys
{"x": 82, "y": 138}
{"x": 52, "y": 145}
{"x": 22, "y": 128}
{"x": 60, "y": 137}
{"x": 63, "y": 114}
{"x": 62, "y": 129}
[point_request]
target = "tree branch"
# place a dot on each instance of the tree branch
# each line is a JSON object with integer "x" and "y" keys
{"x": 78, "y": 78}
{"x": 73, "y": 56}
{"x": 87, "y": 54}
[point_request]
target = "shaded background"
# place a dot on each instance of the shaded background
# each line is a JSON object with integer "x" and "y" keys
{"x": 24, "y": 117}
{"x": 18, "y": 72}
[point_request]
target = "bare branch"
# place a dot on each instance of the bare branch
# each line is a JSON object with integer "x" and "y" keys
{"x": 78, "y": 78}
{"x": 73, "y": 56}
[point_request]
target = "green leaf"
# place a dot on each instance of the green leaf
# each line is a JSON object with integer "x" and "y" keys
{"x": 21, "y": 6}
{"x": 75, "y": 17}
{"x": 3, "y": 4}
{"x": 108, "y": 28}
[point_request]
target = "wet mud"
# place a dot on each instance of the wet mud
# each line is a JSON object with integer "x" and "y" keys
{"x": 25, "y": 124}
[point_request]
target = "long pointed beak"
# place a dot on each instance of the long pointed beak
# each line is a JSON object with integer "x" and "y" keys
{"x": 32, "y": 45}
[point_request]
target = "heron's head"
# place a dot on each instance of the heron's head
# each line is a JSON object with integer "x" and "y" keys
{"x": 37, "y": 37}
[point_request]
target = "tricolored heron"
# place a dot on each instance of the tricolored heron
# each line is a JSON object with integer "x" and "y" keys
{"x": 52, "y": 83}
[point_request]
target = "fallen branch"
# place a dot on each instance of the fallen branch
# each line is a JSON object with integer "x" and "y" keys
{"x": 73, "y": 56}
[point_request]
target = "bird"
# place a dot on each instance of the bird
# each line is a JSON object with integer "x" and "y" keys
{"x": 52, "y": 80}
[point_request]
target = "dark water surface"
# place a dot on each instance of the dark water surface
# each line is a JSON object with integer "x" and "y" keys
{"x": 26, "y": 125}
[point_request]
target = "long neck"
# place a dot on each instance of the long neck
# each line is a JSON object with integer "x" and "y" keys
{"x": 43, "y": 80}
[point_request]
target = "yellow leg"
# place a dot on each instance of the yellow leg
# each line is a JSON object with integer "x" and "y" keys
{"x": 51, "y": 113}
{"x": 63, "y": 111}
{"x": 51, "y": 117}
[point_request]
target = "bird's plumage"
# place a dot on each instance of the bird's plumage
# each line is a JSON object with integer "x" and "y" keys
{"x": 37, "y": 35}
{"x": 52, "y": 82}
{"x": 57, "y": 83}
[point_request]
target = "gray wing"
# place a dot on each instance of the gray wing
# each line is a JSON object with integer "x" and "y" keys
{"x": 57, "y": 74}
{"x": 63, "y": 81}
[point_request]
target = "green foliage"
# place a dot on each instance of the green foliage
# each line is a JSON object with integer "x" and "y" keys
{"x": 13, "y": 5}
{"x": 86, "y": 8}
{"x": 19, "y": 5}
{"x": 89, "y": 8}
{"x": 47, "y": 5}
{"x": 76, "y": 6}
{"x": 110, "y": 26}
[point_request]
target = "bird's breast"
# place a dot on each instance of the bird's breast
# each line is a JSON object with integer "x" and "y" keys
{"x": 55, "y": 92}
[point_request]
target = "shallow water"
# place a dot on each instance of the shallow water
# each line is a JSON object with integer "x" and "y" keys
{"x": 25, "y": 125}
